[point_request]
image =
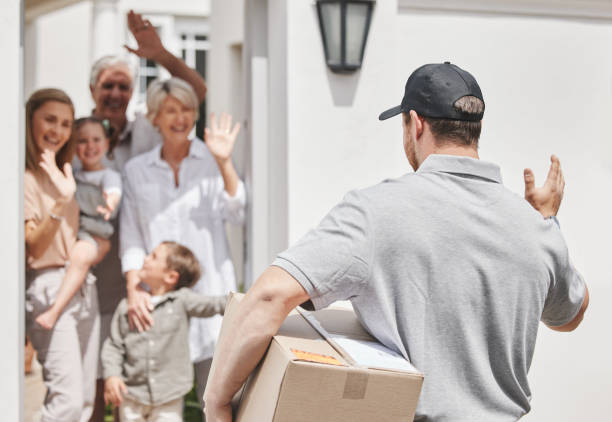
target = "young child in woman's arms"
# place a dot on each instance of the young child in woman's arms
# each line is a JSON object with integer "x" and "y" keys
{"x": 98, "y": 194}
{"x": 148, "y": 373}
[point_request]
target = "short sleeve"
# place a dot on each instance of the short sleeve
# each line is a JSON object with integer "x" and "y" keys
{"x": 31, "y": 202}
{"x": 332, "y": 261}
{"x": 566, "y": 293}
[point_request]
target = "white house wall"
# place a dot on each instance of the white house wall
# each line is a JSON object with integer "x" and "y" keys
{"x": 11, "y": 226}
{"x": 58, "y": 53}
{"x": 547, "y": 83}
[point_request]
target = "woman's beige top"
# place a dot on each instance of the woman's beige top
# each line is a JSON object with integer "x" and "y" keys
{"x": 39, "y": 199}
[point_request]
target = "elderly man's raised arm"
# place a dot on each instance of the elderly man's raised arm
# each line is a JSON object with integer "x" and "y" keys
{"x": 261, "y": 313}
{"x": 151, "y": 47}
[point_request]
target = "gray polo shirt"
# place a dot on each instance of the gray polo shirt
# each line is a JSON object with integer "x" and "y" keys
{"x": 454, "y": 271}
{"x": 155, "y": 364}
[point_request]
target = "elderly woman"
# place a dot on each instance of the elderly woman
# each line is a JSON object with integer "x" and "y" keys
{"x": 183, "y": 190}
{"x": 69, "y": 351}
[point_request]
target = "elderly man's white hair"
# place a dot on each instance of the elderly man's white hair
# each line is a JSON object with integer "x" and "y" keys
{"x": 105, "y": 62}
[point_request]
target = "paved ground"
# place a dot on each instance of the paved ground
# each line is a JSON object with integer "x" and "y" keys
{"x": 34, "y": 393}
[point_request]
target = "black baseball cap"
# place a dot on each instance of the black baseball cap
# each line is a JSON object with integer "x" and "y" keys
{"x": 432, "y": 91}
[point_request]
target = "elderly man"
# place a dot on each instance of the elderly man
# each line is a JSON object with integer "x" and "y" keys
{"x": 111, "y": 86}
{"x": 443, "y": 265}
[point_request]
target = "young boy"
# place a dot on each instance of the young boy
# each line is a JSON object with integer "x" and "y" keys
{"x": 148, "y": 373}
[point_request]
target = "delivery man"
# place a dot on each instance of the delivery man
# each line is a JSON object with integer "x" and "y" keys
{"x": 444, "y": 265}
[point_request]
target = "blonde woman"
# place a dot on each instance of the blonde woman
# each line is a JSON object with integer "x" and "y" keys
{"x": 183, "y": 190}
{"x": 68, "y": 351}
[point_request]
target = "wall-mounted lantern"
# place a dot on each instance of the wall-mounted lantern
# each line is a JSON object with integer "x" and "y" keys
{"x": 344, "y": 28}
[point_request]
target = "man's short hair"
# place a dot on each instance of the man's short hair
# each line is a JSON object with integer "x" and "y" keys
{"x": 179, "y": 258}
{"x": 104, "y": 63}
{"x": 460, "y": 132}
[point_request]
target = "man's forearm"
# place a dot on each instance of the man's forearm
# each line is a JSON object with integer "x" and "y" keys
{"x": 178, "y": 68}
{"x": 261, "y": 313}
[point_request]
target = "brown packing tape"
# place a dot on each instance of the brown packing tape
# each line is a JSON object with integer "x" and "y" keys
{"x": 355, "y": 385}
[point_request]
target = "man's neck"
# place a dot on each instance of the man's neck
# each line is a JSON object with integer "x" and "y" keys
{"x": 453, "y": 149}
{"x": 448, "y": 148}
{"x": 118, "y": 123}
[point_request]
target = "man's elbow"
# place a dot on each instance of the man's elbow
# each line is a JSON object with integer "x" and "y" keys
{"x": 573, "y": 324}
{"x": 201, "y": 93}
{"x": 277, "y": 292}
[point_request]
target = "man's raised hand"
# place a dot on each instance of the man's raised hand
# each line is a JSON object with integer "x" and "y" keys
{"x": 546, "y": 199}
{"x": 149, "y": 43}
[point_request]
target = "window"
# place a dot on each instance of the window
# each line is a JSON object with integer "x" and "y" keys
{"x": 147, "y": 72}
{"x": 193, "y": 51}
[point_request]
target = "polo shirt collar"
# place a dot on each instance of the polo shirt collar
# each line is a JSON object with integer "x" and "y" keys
{"x": 197, "y": 149}
{"x": 456, "y": 164}
{"x": 170, "y": 296}
{"x": 125, "y": 136}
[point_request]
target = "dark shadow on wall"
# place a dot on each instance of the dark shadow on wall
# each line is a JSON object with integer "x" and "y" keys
{"x": 343, "y": 87}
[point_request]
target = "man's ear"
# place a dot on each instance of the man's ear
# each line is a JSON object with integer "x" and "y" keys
{"x": 417, "y": 124}
{"x": 91, "y": 89}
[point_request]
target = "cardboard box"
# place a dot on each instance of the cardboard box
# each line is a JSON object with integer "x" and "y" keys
{"x": 324, "y": 367}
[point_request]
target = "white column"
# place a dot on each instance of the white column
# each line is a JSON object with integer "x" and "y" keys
{"x": 105, "y": 35}
{"x": 266, "y": 110}
{"x": 257, "y": 177}
{"x": 11, "y": 213}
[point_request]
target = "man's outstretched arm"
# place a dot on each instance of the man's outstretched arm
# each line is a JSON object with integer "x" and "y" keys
{"x": 547, "y": 200}
{"x": 261, "y": 313}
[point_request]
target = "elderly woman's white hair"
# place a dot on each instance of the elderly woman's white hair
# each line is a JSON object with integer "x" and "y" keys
{"x": 105, "y": 62}
{"x": 178, "y": 88}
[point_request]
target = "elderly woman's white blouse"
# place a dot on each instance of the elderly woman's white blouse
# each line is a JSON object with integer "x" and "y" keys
{"x": 154, "y": 210}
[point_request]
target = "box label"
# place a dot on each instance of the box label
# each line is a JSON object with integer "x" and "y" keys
{"x": 316, "y": 357}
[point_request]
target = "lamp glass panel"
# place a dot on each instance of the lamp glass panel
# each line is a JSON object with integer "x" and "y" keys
{"x": 356, "y": 21}
{"x": 330, "y": 15}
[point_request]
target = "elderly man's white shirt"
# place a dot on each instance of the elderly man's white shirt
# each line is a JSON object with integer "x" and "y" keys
{"x": 138, "y": 136}
{"x": 154, "y": 210}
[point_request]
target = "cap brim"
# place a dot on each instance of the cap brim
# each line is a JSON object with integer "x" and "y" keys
{"x": 390, "y": 113}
